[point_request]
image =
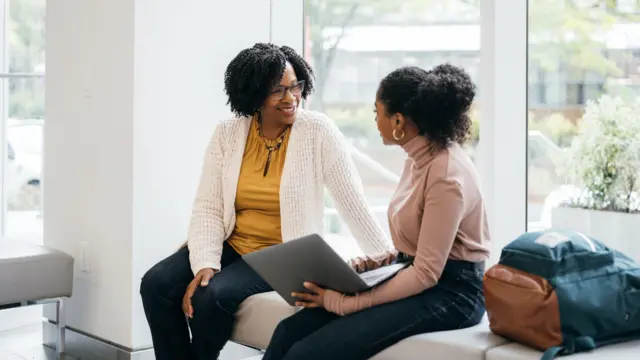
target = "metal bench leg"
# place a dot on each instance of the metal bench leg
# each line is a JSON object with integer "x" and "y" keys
{"x": 60, "y": 327}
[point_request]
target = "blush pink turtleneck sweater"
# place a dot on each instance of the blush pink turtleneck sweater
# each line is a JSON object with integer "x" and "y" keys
{"x": 437, "y": 213}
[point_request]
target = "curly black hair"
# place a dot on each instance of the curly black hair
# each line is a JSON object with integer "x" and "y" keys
{"x": 437, "y": 100}
{"x": 254, "y": 71}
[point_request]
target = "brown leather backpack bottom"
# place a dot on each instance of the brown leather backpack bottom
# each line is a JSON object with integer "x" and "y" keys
{"x": 522, "y": 307}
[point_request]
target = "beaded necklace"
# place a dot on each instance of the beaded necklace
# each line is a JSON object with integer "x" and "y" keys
{"x": 271, "y": 145}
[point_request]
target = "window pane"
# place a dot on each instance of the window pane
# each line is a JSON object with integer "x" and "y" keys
{"x": 23, "y": 168}
{"x": 585, "y": 53}
{"x": 352, "y": 45}
{"x": 24, "y": 118}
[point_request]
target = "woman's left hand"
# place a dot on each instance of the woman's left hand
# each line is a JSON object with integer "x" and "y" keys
{"x": 313, "y": 300}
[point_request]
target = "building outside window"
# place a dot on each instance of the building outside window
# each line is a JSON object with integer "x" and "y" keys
{"x": 353, "y": 44}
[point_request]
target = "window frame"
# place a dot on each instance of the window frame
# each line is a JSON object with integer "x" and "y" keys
{"x": 4, "y": 108}
{"x": 5, "y": 77}
{"x": 504, "y": 126}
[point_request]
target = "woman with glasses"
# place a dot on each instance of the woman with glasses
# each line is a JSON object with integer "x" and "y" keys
{"x": 437, "y": 221}
{"x": 262, "y": 183}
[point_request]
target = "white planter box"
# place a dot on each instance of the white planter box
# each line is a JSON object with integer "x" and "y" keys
{"x": 620, "y": 231}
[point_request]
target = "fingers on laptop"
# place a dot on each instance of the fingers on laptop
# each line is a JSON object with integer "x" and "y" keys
{"x": 311, "y": 300}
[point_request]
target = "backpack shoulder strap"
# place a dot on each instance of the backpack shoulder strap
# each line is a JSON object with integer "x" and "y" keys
{"x": 551, "y": 353}
{"x": 572, "y": 346}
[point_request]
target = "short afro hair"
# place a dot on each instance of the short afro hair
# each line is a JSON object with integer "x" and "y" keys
{"x": 437, "y": 101}
{"x": 254, "y": 71}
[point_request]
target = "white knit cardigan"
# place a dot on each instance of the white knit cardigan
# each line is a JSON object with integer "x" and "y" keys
{"x": 317, "y": 156}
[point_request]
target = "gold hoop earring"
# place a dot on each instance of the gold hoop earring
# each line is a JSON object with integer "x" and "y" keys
{"x": 396, "y": 137}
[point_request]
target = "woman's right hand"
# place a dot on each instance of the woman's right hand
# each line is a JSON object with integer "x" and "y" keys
{"x": 201, "y": 279}
{"x": 367, "y": 263}
{"x": 358, "y": 264}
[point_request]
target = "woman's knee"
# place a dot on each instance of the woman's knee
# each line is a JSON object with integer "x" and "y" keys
{"x": 282, "y": 340}
{"x": 218, "y": 295}
{"x": 210, "y": 297}
{"x": 167, "y": 278}
{"x": 283, "y": 334}
{"x": 151, "y": 283}
{"x": 158, "y": 283}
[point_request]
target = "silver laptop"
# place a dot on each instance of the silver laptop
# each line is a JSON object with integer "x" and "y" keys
{"x": 285, "y": 267}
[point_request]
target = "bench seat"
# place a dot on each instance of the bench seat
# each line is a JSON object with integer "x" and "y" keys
{"x": 513, "y": 351}
{"x": 465, "y": 344}
{"x": 30, "y": 272}
{"x": 259, "y": 315}
{"x": 257, "y": 318}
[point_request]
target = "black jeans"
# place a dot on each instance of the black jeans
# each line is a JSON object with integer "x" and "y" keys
{"x": 214, "y": 306}
{"x": 456, "y": 302}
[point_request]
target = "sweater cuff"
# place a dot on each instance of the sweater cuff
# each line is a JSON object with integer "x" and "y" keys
{"x": 204, "y": 265}
{"x": 340, "y": 304}
{"x": 333, "y": 301}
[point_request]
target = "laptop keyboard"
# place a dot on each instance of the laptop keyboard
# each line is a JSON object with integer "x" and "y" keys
{"x": 375, "y": 276}
{"x": 371, "y": 278}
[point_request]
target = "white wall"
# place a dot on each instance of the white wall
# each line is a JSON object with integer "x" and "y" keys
{"x": 182, "y": 50}
{"x": 134, "y": 90}
{"x": 88, "y": 156}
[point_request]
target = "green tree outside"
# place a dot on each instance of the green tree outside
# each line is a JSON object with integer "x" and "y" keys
{"x": 26, "y": 45}
{"x": 561, "y": 34}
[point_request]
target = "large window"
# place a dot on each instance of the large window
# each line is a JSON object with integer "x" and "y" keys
{"x": 352, "y": 45}
{"x": 22, "y": 114}
{"x": 579, "y": 51}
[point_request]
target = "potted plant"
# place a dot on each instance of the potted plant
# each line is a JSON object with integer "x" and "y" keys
{"x": 603, "y": 164}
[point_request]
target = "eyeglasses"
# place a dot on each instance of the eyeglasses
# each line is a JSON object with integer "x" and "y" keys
{"x": 280, "y": 91}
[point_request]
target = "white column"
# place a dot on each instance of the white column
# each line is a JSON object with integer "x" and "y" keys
{"x": 503, "y": 123}
{"x": 287, "y": 23}
{"x": 134, "y": 91}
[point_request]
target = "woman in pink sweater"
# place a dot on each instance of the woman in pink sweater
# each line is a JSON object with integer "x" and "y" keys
{"x": 437, "y": 219}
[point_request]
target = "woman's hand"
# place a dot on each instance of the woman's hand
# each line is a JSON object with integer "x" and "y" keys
{"x": 358, "y": 264}
{"x": 367, "y": 263}
{"x": 201, "y": 279}
{"x": 310, "y": 301}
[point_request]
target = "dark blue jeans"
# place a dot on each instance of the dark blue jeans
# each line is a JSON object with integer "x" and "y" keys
{"x": 214, "y": 306}
{"x": 316, "y": 334}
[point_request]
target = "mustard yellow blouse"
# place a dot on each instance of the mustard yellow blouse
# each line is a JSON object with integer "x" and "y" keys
{"x": 258, "y": 197}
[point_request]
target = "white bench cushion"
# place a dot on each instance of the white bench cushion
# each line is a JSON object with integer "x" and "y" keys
{"x": 471, "y": 343}
{"x": 259, "y": 315}
{"x": 257, "y": 318}
{"x": 514, "y": 351}
{"x": 31, "y": 272}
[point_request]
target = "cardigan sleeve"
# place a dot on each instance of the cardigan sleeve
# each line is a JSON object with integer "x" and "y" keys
{"x": 206, "y": 228}
{"x": 343, "y": 181}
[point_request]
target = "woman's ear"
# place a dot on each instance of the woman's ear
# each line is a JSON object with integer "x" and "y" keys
{"x": 399, "y": 121}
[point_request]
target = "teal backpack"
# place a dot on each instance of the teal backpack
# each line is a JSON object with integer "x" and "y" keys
{"x": 563, "y": 292}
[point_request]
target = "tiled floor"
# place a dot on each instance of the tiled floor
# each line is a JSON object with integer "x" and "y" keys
{"x": 23, "y": 344}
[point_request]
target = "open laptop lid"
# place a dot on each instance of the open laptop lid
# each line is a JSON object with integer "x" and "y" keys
{"x": 285, "y": 267}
